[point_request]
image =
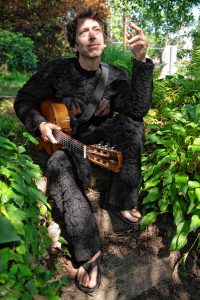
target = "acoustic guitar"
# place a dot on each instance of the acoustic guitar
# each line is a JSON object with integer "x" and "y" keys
{"x": 57, "y": 113}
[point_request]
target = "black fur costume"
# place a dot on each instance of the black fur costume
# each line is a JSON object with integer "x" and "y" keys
{"x": 117, "y": 120}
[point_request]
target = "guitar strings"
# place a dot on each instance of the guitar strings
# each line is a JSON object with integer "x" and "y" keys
{"x": 67, "y": 138}
{"x": 69, "y": 142}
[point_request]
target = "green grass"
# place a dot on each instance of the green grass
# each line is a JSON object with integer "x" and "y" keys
{"x": 11, "y": 82}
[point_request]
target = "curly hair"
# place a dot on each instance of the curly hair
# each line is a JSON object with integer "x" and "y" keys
{"x": 90, "y": 13}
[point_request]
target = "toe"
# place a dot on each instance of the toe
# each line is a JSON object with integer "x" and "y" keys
{"x": 93, "y": 278}
{"x": 135, "y": 213}
{"x": 132, "y": 216}
{"x": 82, "y": 277}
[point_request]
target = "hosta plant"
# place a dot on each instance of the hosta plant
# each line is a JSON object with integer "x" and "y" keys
{"x": 171, "y": 172}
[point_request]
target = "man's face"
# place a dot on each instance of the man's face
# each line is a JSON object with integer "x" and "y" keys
{"x": 89, "y": 38}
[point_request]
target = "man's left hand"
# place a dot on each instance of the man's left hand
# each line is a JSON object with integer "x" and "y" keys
{"x": 138, "y": 43}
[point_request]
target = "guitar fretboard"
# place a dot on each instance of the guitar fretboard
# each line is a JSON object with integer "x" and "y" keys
{"x": 70, "y": 143}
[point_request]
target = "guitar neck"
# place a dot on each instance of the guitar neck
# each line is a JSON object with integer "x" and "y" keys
{"x": 70, "y": 143}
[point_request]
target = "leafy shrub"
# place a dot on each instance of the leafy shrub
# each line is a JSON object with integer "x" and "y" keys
{"x": 171, "y": 172}
{"x": 17, "y": 51}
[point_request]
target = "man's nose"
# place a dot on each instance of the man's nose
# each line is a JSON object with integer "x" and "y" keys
{"x": 92, "y": 34}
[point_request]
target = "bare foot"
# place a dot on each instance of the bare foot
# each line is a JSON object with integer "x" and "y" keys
{"x": 134, "y": 216}
{"x": 85, "y": 279}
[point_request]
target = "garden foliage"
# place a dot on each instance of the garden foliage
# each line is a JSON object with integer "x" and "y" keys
{"x": 171, "y": 171}
{"x": 23, "y": 241}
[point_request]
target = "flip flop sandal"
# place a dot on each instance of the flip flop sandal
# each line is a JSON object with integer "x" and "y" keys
{"x": 125, "y": 220}
{"x": 89, "y": 266}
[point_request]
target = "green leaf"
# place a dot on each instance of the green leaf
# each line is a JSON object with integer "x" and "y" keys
{"x": 167, "y": 178}
{"x": 153, "y": 195}
{"x": 151, "y": 183}
{"x": 21, "y": 149}
{"x": 21, "y": 249}
{"x": 177, "y": 212}
{"x": 167, "y": 158}
{"x": 197, "y": 193}
{"x": 196, "y": 141}
{"x": 4, "y": 171}
{"x": 30, "y": 138}
{"x": 19, "y": 188}
{"x": 18, "y": 199}
{"x": 15, "y": 213}
{"x": 19, "y": 226}
{"x": 160, "y": 152}
{"x": 191, "y": 194}
{"x": 183, "y": 227}
{"x": 62, "y": 240}
{"x": 43, "y": 209}
{"x": 195, "y": 223}
{"x": 163, "y": 204}
{"x": 148, "y": 219}
{"x": 181, "y": 181}
{"x": 180, "y": 130}
{"x": 5, "y": 193}
{"x": 24, "y": 270}
{"x": 36, "y": 194}
{"x": 178, "y": 242}
{"x": 155, "y": 139}
{"x": 148, "y": 173}
{"x": 191, "y": 206}
{"x": 8, "y": 232}
{"x": 193, "y": 184}
{"x": 7, "y": 255}
{"x": 194, "y": 148}
{"x": 6, "y": 144}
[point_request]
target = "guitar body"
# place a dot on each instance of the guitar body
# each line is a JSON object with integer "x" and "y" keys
{"x": 57, "y": 113}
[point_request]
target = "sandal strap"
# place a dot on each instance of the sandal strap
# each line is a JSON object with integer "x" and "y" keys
{"x": 89, "y": 266}
{"x": 131, "y": 212}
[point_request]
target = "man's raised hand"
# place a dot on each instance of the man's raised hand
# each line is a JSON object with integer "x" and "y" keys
{"x": 138, "y": 43}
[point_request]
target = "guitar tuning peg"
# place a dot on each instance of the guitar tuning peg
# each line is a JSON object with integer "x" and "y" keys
{"x": 107, "y": 145}
{"x": 113, "y": 147}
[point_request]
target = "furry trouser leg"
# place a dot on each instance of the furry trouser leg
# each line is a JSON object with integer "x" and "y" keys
{"x": 79, "y": 220}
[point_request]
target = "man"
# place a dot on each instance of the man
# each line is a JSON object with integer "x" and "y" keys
{"x": 118, "y": 119}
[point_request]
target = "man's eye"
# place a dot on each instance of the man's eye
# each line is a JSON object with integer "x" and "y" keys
{"x": 83, "y": 32}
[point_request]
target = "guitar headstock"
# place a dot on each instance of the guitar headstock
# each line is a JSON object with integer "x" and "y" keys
{"x": 105, "y": 157}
